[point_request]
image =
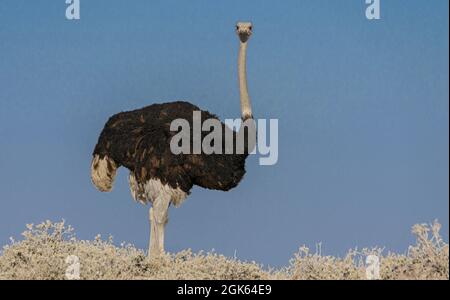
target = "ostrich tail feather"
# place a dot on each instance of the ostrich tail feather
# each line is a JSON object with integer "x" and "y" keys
{"x": 103, "y": 172}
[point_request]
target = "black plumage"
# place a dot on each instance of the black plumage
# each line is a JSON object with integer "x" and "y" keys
{"x": 139, "y": 140}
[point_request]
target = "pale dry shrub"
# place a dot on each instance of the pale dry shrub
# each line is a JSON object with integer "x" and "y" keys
{"x": 427, "y": 259}
{"x": 204, "y": 266}
{"x": 42, "y": 253}
{"x": 45, "y": 247}
{"x": 306, "y": 265}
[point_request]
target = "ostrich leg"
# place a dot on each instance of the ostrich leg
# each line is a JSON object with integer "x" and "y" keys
{"x": 152, "y": 249}
{"x": 158, "y": 221}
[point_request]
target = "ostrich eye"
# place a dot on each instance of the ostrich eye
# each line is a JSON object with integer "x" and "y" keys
{"x": 250, "y": 28}
{"x": 237, "y": 27}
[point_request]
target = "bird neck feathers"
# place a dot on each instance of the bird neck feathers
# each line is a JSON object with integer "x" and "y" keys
{"x": 246, "y": 108}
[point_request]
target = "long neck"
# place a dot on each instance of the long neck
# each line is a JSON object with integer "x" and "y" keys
{"x": 246, "y": 107}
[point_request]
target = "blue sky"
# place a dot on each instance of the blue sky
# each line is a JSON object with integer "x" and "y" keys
{"x": 362, "y": 108}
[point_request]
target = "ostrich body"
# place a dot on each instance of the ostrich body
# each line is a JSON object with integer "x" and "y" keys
{"x": 139, "y": 140}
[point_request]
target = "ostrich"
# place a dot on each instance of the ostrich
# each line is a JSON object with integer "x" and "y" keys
{"x": 139, "y": 140}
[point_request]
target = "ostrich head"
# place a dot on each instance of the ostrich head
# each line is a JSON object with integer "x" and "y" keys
{"x": 244, "y": 30}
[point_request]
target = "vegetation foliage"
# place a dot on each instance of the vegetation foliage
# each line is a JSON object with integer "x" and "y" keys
{"x": 43, "y": 251}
